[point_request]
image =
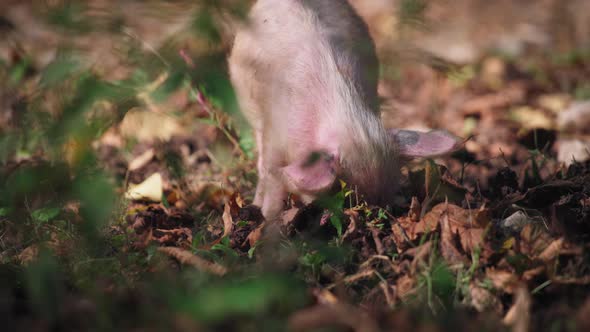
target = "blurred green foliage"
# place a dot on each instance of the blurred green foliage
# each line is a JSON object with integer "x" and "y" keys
{"x": 57, "y": 199}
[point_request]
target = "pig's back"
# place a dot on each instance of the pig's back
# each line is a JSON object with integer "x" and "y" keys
{"x": 352, "y": 44}
{"x": 283, "y": 35}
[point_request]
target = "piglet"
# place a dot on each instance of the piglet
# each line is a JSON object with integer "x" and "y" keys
{"x": 305, "y": 74}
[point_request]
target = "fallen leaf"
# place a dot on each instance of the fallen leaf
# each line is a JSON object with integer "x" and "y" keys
{"x": 552, "y": 250}
{"x": 572, "y": 150}
{"x": 149, "y": 126}
{"x": 255, "y": 236}
{"x": 554, "y": 102}
{"x": 151, "y": 189}
{"x": 583, "y": 316}
{"x": 188, "y": 258}
{"x": 141, "y": 160}
{"x": 518, "y": 316}
{"x": 516, "y": 221}
{"x": 576, "y": 117}
{"x": 530, "y": 118}
{"x": 415, "y": 209}
{"x": 332, "y": 315}
{"x": 181, "y": 237}
{"x": 324, "y": 296}
{"x": 447, "y": 243}
{"x": 405, "y": 286}
{"x": 28, "y": 255}
{"x": 471, "y": 238}
{"x": 535, "y": 238}
{"x": 502, "y": 280}
{"x": 228, "y": 223}
{"x": 483, "y": 300}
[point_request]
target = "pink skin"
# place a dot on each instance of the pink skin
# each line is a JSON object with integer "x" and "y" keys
{"x": 305, "y": 76}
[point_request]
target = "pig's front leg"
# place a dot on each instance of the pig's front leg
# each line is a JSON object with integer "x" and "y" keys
{"x": 275, "y": 195}
{"x": 271, "y": 191}
{"x": 260, "y": 186}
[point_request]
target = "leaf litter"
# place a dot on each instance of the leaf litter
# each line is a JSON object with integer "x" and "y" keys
{"x": 501, "y": 229}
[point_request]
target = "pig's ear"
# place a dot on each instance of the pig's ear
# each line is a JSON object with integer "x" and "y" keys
{"x": 312, "y": 175}
{"x": 425, "y": 144}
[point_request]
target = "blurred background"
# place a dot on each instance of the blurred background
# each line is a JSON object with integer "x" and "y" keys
{"x": 126, "y": 168}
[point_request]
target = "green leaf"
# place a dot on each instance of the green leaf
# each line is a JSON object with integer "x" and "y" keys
{"x": 4, "y": 211}
{"x": 44, "y": 215}
{"x": 18, "y": 72}
{"x": 174, "y": 82}
{"x": 253, "y": 249}
{"x": 59, "y": 70}
{"x": 337, "y": 223}
{"x": 247, "y": 297}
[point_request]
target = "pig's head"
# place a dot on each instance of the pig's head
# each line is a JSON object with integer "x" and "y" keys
{"x": 374, "y": 170}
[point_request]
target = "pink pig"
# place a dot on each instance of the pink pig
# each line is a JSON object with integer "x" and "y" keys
{"x": 305, "y": 73}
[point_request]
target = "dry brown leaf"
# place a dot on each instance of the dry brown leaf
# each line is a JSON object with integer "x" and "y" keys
{"x": 570, "y": 150}
{"x": 324, "y": 296}
{"x": 535, "y": 238}
{"x": 555, "y": 102}
{"x": 255, "y": 236}
{"x": 552, "y": 250}
{"x": 502, "y": 280}
{"x": 151, "y": 189}
{"x": 178, "y": 236}
{"x": 340, "y": 314}
{"x": 428, "y": 224}
{"x": 188, "y": 258}
{"x": 402, "y": 232}
{"x": 471, "y": 238}
{"x": 518, "y": 316}
{"x": 415, "y": 210}
{"x": 512, "y": 94}
{"x": 150, "y": 126}
{"x": 228, "y": 223}
{"x": 288, "y": 216}
{"x": 28, "y": 255}
{"x": 141, "y": 160}
{"x": 483, "y": 300}
{"x": 585, "y": 280}
{"x": 173, "y": 197}
{"x": 530, "y": 118}
{"x": 447, "y": 243}
{"x": 389, "y": 293}
{"x": 420, "y": 254}
{"x": 236, "y": 203}
{"x": 576, "y": 117}
{"x": 378, "y": 244}
{"x": 533, "y": 273}
{"x": 583, "y": 316}
{"x": 405, "y": 286}
{"x": 351, "y": 279}
{"x": 352, "y": 225}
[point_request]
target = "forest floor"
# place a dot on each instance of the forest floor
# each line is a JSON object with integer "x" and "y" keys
{"x": 127, "y": 175}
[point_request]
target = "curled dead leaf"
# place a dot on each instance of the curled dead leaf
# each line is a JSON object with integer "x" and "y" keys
{"x": 552, "y": 250}
{"x": 340, "y": 314}
{"x": 502, "y": 280}
{"x": 186, "y": 257}
{"x": 255, "y": 236}
{"x": 28, "y": 255}
{"x": 518, "y": 316}
{"x": 483, "y": 300}
{"x": 447, "y": 243}
{"x": 151, "y": 189}
{"x": 141, "y": 160}
{"x": 228, "y": 223}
